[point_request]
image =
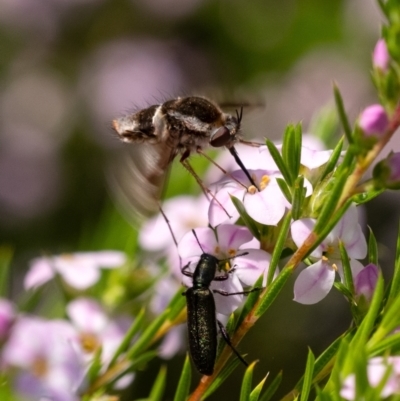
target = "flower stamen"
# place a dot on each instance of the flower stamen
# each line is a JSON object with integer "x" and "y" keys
{"x": 264, "y": 182}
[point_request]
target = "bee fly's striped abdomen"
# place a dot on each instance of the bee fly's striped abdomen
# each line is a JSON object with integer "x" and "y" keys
{"x": 202, "y": 328}
{"x": 138, "y": 127}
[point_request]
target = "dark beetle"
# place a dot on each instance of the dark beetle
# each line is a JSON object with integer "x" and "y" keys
{"x": 201, "y": 314}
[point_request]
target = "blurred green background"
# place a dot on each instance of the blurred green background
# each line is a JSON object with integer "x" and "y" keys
{"x": 68, "y": 67}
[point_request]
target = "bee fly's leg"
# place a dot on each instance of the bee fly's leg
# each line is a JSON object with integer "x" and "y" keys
{"x": 206, "y": 191}
{"x": 200, "y": 151}
{"x": 250, "y": 143}
{"x": 234, "y": 153}
{"x": 227, "y": 339}
{"x": 227, "y": 294}
{"x": 168, "y": 224}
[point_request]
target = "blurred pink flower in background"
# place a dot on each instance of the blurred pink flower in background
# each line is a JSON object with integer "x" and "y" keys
{"x": 48, "y": 365}
{"x": 95, "y": 328}
{"x": 34, "y": 108}
{"x": 170, "y": 9}
{"x": 376, "y": 371}
{"x": 123, "y": 76}
{"x": 183, "y": 213}
{"x": 79, "y": 270}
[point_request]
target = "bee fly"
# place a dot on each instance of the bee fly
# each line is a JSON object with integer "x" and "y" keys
{"x": 179, "y": 126}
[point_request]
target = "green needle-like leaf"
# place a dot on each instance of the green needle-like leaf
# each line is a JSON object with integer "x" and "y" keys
{"x": 95, "y": 366}
{"x": 330, "y": 166}
{"x": 299, "y": 195}
{"x": 372, "y": 248}
{"x": 391, "y": 343}
{"x": 395, "y": 286}
{"x": 6, "y": 254}
{"x": 285, "y": 189}
{"x": 247, "y": 383}
{"x": 132, "y": 331}
{"x": 389, "y": 322}
{"x": 324, "y": 362}
{"x": 291, "y": 150}
{"x": 184, "y": 382}
{"x": 271, "y": 390}
{"x": 255, "y": 394}
{"x": 348, "y": 276}
{"x": 308, "y": 376}
{"x": 147, "y": 336}
{"x": 157, "y": 391}
{"x": 279, "y": 162}
{"x": 280, "y": 243}
{"x": 342, "y": 114}
{"x": 368, "y": 323}
{"x": 225, "y": 373}
{"x": 247, "y": 220}
{"x": 273, "y": 291}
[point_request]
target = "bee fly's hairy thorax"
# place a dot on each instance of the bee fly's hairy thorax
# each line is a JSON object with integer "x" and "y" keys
{"x": 184, "y": 124}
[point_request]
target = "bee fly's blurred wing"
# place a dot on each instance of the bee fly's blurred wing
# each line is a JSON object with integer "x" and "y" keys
{"x": 136, "y": 178}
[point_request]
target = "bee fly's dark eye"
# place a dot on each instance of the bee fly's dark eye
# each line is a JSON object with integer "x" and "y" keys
{"x": 220, "y": 137}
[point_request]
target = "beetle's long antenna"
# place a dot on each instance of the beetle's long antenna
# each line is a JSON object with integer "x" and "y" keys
{"x": 197, "y": 239}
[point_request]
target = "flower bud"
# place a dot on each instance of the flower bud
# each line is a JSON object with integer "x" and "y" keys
{"x": 374, "y": 120}
{"x": 387, "y": 172}
{"x": 365, "y": 281}
{"x": 380, "y": 56}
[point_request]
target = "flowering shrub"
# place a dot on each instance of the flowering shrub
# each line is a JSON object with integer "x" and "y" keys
{"x": 298, "y": 215}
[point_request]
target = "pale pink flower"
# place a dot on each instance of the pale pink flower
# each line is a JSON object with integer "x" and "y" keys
{"x": 80, "y": 270}
{"x": 376, "y": 370}
{"x": 95, "y": 328}
{"x": 48, "y": 365}
{"x": 266, "y": 205}
{"x": 365, "y": 281}
{"x": 243, "y": 271}
{"x": 315, "y": 282}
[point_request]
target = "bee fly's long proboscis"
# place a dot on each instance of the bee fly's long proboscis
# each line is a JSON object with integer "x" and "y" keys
{"x": 179, "y": 126}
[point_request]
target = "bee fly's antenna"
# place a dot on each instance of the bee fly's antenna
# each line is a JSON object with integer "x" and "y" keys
{"x": 197, "y": 239}
{"x": 239, "y": 115}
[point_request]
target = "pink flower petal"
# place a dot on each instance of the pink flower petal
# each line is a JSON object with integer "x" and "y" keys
{"x": 249, "y": 267}
{"x": 311, "y": 158}
{"x": 314, "y": 283}
{"x": 227, "y": 304}
{"x": 87, "y": 315}
{"x": 108, "y": 259}
{"x": 188, "y": 245}
{"x": 266, "y": 206}
{"x": 216, "y": 214}
{"x": 365, "y": 281}
{"x": 80, "y": 276}
{"x": 232, "y": 237}
{"x": 300, "y": 230}
{"x": 41, "y": 270}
